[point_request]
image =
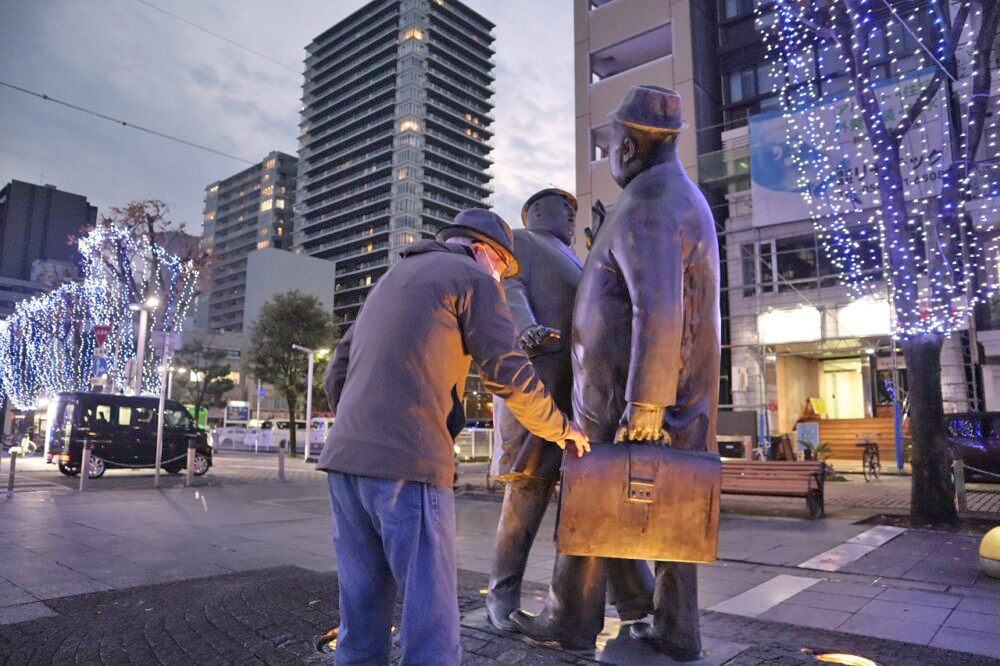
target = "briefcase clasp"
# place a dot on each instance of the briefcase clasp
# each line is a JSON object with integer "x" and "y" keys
{"x": 640, "y": 490}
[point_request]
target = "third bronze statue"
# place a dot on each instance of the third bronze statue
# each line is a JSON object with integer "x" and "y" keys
{"x": 645, "y": 353}
{"x": 541, "y": 301}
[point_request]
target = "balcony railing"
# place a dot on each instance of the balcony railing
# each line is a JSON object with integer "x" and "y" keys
{"x": 454, "y": 157}
{"x": 437, "y": 106}
{"x": 368, "y": 265}
{"x": 375, "y": 247}
{"x": 353, "y": 222}
{"x": 476, "y": 104}
{"x": 347, "y": 151}
{"x": 306, "y": 223}
{"x": 304, "y": 194}
{"x": 468, "y": 145}
{"x": 474, "y": 94}
{"x": 310, "y": 178}
{"x": 346, "y": 138}
{"x": 347, "y": 240}
{"x": 311, "y": 96}
{"x": 464, "y": 175}
{"x": 724, "y": 165}
{"x": 455, "y": 189}
{"x": 389, "y": 31}
{"x": 460, "y": 127}
{"x": 474, "y": 77}
{"x": 482, "y": 48}
{"x": 315, "y": 106}
{"x": 339, "y": 197}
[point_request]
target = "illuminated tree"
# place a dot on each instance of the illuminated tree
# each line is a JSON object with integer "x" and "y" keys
{"x": 48, "y": 344}
{"x": 936, "y": 265}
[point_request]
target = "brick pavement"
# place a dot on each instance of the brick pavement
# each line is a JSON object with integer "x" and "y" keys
{"x": 273, "y": 616}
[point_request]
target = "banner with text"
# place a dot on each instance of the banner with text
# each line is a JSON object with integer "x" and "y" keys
{"x": 834, "y": 160}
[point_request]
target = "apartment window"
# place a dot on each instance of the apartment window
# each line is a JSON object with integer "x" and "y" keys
{"x": 210, "y": 216}
{"x": 732, "y": 9}
{"x": 409, "y": 125}
{"x": 266, "y": 205}
{"x": 407, "y": 221}
{"x": 271, "y": 163}
{"x": 796, "y": 260}
{"x": 262, "y": 244}
{"x": 632, "y": 52}
{"x": 280, "y": 203}
{"x": 413, "y": 32}
{"x": 267, "y": 191}
{"x": 749, "y": 82}
{"x": 600, "y": 139}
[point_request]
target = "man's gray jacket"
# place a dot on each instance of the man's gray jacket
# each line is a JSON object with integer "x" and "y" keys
{"x": 396, "y": 379}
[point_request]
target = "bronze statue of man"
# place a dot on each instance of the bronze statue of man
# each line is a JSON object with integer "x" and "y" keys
{"x": 646, "y": 353}
{"x": 541, "y": 301}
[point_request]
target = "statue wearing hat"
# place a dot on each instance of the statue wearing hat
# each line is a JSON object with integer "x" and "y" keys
{"x": 646, "y": 347}
{"x": 541, "y": 300}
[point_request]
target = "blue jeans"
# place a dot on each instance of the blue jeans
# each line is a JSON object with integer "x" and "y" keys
{"x": 395, "y": 533}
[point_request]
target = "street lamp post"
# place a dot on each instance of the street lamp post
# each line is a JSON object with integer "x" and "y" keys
{"x": 144, "y": 309}
{"x": 309, "y": 383}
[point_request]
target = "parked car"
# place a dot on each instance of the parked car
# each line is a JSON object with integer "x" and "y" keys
{"x": 975, "y": 438}
{"x": 122, "y": 433}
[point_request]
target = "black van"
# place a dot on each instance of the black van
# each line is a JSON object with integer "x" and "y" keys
{"x": 122, "y": 432}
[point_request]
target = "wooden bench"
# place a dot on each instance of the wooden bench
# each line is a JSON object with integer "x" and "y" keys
{"x": 778, "y": 478}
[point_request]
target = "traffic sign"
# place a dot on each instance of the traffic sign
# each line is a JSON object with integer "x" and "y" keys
{"x": 101, "y": 334}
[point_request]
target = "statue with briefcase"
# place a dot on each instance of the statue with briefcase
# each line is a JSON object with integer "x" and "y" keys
{"x": 646, "y": 347}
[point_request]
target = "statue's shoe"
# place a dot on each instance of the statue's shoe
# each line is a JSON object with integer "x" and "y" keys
{"x": 500, "y": 617}
{"x": 643, "y": 631}
{"x": 541, "y": 628}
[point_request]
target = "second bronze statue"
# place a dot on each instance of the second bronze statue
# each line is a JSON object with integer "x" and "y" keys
{"x": 541, "y": 300}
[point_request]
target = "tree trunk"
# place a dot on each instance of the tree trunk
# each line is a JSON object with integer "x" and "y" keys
{"x": 932, "y": 492}
{"x": 290, "y": 399}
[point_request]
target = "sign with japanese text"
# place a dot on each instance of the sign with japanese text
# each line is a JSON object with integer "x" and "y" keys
{"x": 824, "y": 151}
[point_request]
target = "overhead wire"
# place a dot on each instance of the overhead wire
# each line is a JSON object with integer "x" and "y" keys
{"x": 219, "y": 36}
{"x": 124, "y": 123}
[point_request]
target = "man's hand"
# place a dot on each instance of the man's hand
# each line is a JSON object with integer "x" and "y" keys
{"x": 581, "y": 441}
{"x": 534, "y": 337}
{"x": 641, "y": 422}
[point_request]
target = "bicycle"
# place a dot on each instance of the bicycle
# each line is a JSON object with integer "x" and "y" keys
{"x": 871, "y": 462}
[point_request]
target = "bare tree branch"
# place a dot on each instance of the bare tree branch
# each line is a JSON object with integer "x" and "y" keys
{"x": 929, "y": 91}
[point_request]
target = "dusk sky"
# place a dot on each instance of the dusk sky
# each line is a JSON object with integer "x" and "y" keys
{"x": 127, "y": 60}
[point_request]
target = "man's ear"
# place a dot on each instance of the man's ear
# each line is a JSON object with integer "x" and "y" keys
{"x": 628, "y": 150}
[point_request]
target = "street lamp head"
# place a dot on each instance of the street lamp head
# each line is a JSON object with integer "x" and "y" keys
{"x": 152, "y": 302}
{"x": 322, "y": 352}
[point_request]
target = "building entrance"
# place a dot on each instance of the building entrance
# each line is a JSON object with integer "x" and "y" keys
{"x": 843, "y": 389}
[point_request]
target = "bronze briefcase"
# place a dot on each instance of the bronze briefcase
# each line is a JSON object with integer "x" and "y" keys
{"x": 641, "y": 501}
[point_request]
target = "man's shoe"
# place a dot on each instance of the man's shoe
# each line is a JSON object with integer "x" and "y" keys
{"x": 644, "y": 632}
{"x": 541, "y": 628}
{"x": 500, "y": 619}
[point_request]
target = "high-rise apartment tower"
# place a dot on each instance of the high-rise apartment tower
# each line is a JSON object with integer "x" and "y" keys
{"x": 248, "y": 211}
{"x": 395, "y": 135}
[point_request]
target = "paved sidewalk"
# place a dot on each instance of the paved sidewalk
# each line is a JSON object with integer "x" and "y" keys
{"x": 865, "y": 586}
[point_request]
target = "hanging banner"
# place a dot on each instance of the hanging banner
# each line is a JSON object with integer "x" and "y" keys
{"x": 837, "y": 157}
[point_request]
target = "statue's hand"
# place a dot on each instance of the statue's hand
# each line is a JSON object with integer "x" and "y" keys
{"x": 642, "y": 422}
{"x": 534, "y": 337}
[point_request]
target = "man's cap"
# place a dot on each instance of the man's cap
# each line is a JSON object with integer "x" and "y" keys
{"x": 652, "y": 109}
{"x": 544, "y": 193}
{"x": 488, "y": 227}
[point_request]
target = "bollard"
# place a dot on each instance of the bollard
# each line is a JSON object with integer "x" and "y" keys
{"x": 85, "y": 466}
{"x": 959, "y": 467}
{"x": 10, "y": 473}
{"x": 190, "y": 463}
{"x": 281, "y": 461}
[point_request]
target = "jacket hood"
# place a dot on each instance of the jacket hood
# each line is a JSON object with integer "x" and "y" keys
{"x": 425, "y": 246}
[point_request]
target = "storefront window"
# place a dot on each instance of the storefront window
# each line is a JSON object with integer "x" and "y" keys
{"x": 797, "y": 265}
